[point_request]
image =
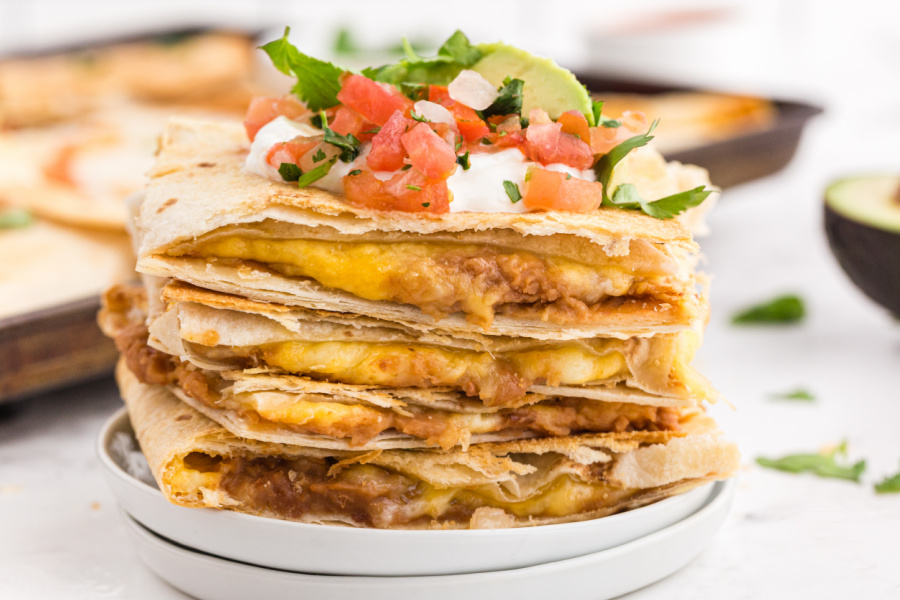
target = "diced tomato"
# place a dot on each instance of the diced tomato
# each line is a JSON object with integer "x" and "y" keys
{"x": 366, "y": 191}
{"x": 428, "y": 152}
{"x": 348, "y": 121}
{"x": 550, "y": 190}
{"x": 371, "y": 100}
{"x": 292, "y": 151}
{"x": 604, "y": 139}
{"x": 547, "y": 144}
{"x": 263, "y": 109}
{"x": 387, "y": 152}
{"x": 573, "y": 122}
{"x": 438, "y": 93}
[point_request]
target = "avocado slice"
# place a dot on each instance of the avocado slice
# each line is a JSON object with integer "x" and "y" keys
{"x": 547, "y": 85}
{"x": 862, "y": 223}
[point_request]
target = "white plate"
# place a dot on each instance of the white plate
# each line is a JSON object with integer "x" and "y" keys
{"x": 596, "y": 576}
{"x": 333, "y": 550}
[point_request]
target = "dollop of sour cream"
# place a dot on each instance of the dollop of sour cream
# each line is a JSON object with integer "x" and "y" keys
{"x": 477, "y": 189}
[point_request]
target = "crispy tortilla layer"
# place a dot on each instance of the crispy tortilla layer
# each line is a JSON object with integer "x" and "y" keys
{"x": 497, "y": 378}
{"x": 324, "y": 415}
{"x": 373, "y": 496}
{"x": 442, "y": 278}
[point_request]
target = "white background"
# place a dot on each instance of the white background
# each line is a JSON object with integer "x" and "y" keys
{"x": 789, "y": 536}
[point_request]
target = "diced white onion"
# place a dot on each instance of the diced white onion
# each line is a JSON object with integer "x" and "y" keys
{"x": 473, "y": 90}
{"x": 433, "y": 112}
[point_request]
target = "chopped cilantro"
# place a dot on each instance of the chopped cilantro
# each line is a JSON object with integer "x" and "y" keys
{"x": 781, "y": 310}
{"x": 318, "y": 82}
{"x": 373, "y": 130}
{"x": 568, "y": 176}
{"x": 512, "y": 190}
{"x": 463, "y": 161}
{"x": 426, "y": 204}
{"x": 523, "y": 122}
{"x": 414, "y": 91}
{"x": 355, "y": 171}
{"x": 315, "y": 174}
{"x": 348, "y": 144}
{"x": 509, "y": 100}
{"x": 289, "y": 171}
{"x": 456, "y": 54}
{"x": 610, "y": 123}
{"x": 319, "y": 156}
{"x": 406, "y": 167}
{"x": 798, "y": 394}
{"x": 414, "y": 188}
{"x": 823, "y": 464}
{"x": 15, "y": 218}
{"x": 888, "y": 485}
{"x": 316, "y": 121}
{"x": 417, "y": 117}
{"x": 486, "y": 141}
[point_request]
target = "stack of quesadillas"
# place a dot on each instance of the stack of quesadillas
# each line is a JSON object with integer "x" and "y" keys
{"x": 296, "y": 357}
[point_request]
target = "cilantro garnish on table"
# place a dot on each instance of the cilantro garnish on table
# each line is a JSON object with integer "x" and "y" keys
{"x": 781, "y": 310}
{"x": 823, "y": 464}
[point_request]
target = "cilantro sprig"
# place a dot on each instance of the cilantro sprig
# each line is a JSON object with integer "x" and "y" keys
{"x": 318, "y": 82}
{"x": 824, "y": 464}
{"x": 626, "y": 195}
{"x": 779, "y": 311}
{"x": 888, "y": 485}
{"x": 798, "y": 394}
{"x": 454, "y": 55}
{"x": 512, "y": 190}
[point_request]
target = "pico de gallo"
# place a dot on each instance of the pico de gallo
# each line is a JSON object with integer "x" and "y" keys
{"x": 438, "y": 143}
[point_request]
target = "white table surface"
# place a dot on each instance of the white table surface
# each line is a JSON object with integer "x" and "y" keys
{"x": 789, "y": 536}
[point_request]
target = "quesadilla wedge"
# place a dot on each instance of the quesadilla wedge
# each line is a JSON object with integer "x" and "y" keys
{"x": 197, "y": 463}
{"x": 220, "y": 331}
{"x": 554, "y": 275}
{"x": 261, "y": 404}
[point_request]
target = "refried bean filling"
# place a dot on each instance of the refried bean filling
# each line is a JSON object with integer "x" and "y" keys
{"x": 360, "y": 424}
{"x": 367, "y": 495}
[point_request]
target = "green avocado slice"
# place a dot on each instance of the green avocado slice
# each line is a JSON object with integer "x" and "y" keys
{"x": 547, "y": 85}
{"x": 872, "y": 200}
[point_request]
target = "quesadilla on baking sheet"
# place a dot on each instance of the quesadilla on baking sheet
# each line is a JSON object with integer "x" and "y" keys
{"x": 557, "y": 275}
{"x": 198, "y": 463}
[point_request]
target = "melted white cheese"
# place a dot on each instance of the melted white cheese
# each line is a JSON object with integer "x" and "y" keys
{"x": 478, "y": 189}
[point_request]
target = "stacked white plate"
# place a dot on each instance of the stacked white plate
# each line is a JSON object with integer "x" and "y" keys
{"x": 224, "y": 555}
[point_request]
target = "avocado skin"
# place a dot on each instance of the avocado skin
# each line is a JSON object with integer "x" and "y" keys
{"x": 869, "y": 256}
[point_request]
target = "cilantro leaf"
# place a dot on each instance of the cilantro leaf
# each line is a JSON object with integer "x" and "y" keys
{"x": 888, "y": 485}
{"x": 784, "y": 309}
{"x": 509, "y": 102}
{"x": 456, "y": 54}
{"x": 512, "y": 190}
{"x": 414, "y": 91}
{"x": 627, "y": 196}
{"x": 798, "y": 394}
{"x": 318, "y": 82}
{"x": 15, "y": 218}
{"x": 349, "y": 144}
{"x": 463, "y": 161}
{"x": 610, "y": 123}
{"x": 596, "y": 111}
{"x": 823, "y": 464}
{"x": 460, "y": 49}
{"x": 604, "y": 167}
{"x": 316, "y": 174}
{"x": 289, "y": 171}
{"x": 319, "y": 156}
{"x": 415, "y": 188}
{"x": 345, "y": 43}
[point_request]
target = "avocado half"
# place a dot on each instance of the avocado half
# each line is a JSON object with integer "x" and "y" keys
{"x": 862, "y": 222}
